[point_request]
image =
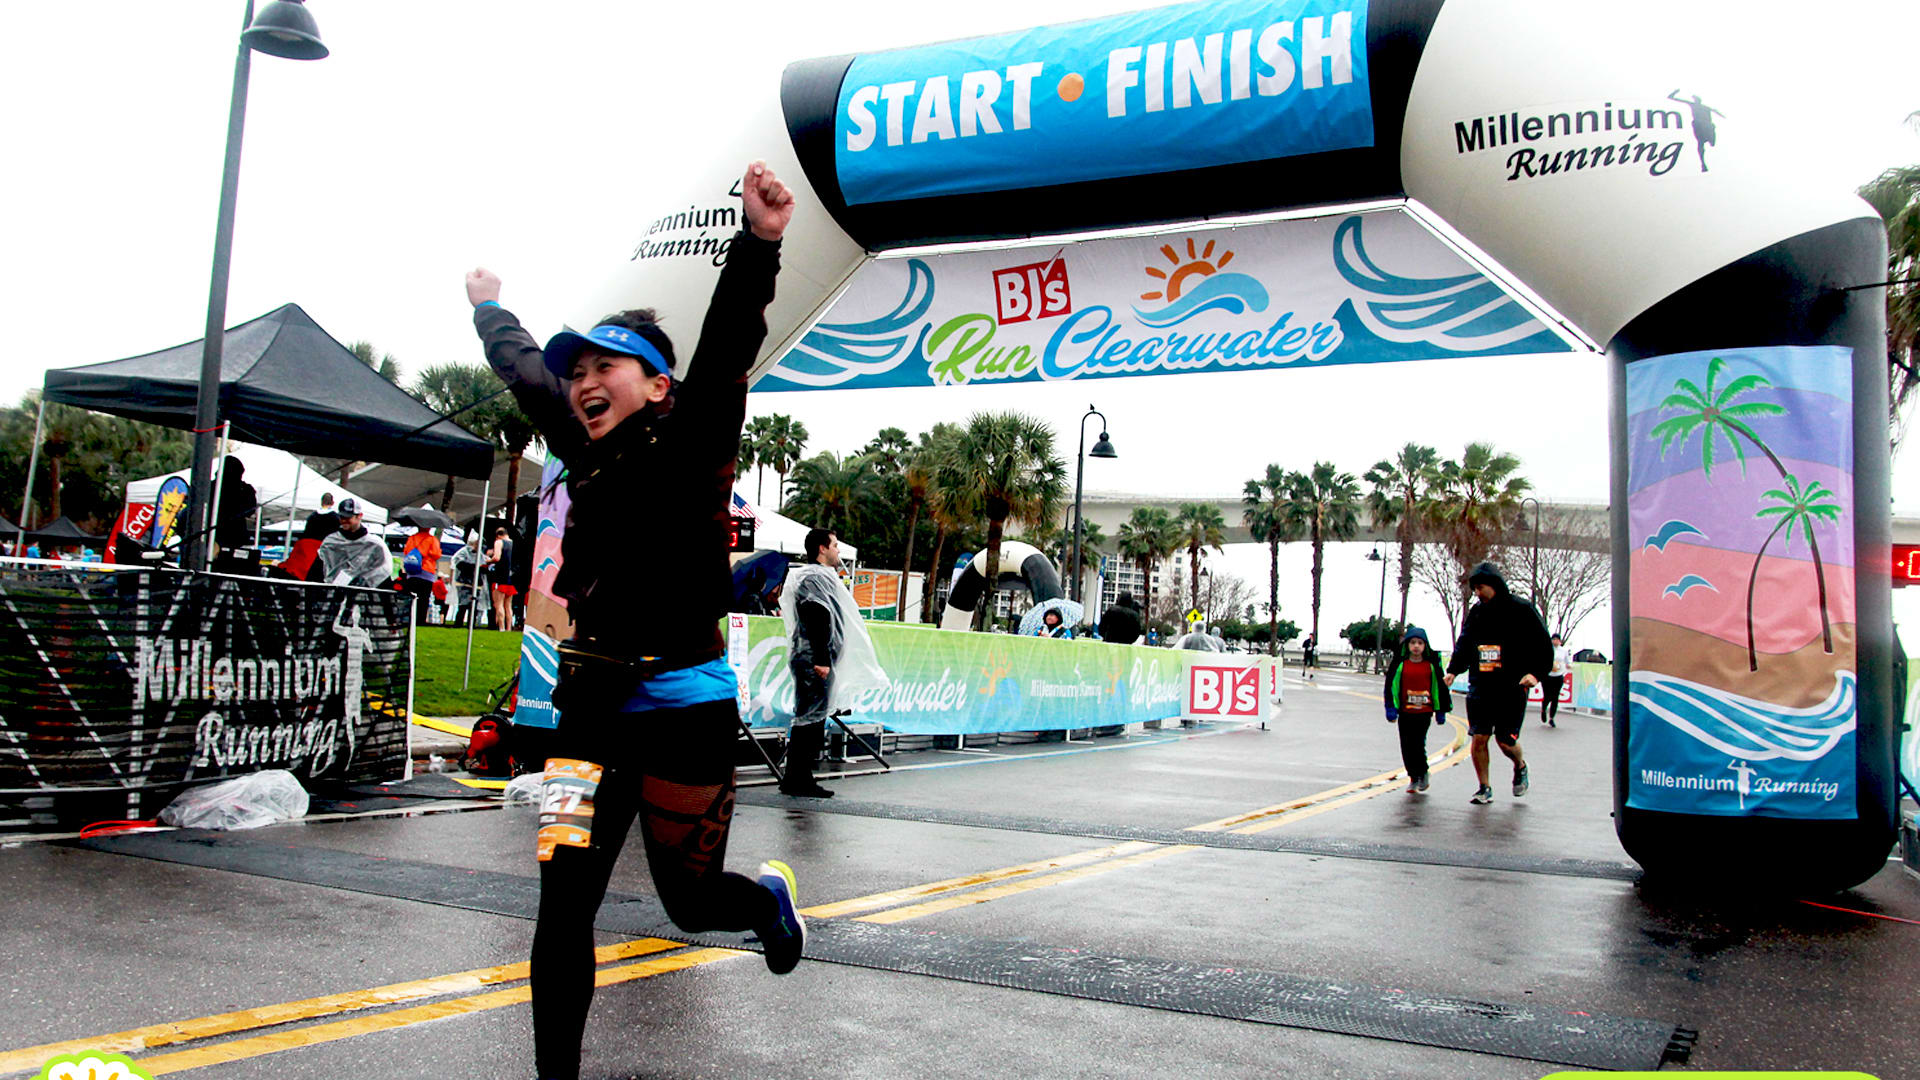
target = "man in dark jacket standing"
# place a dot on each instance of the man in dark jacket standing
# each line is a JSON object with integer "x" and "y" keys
{"x": 814, "y": 649}
{"x": 1506, "y": 644}
{"x": 1120, "y": 623}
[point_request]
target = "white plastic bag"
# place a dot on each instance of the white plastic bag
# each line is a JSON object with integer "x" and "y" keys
{"x": 524, "y": 788}
{"x": 244, "y": 802}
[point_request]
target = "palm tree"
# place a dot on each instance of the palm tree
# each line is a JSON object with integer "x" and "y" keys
{"x": 1003, "y": 466}
{"x": 1146, "y": 537}
{"x": 1092, "y": 541}
{"x": 756, "y": 436}
{"x": 888, "y": 451}
{"x": 449, "y": 388}
{"x": 1201, "y": 525}
{"x": 785, "y": 440}
{"x": 831, "y": 492}
{"x": 1896, "y": 195}
{"x": 1471, "y": 505}
{"x": 1713, "y": 412}
{"x": 1266, "y": 517}
{"x": 1324, "y": 504}
{"x": 1395, "y": 501}
{"x": 512, "y": 429}
{"x": 1804, "y": 507}
{"x": 921, "y": 474}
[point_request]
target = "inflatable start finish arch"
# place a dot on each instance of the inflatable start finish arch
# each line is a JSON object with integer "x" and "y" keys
{"x": 1236, "y": 184}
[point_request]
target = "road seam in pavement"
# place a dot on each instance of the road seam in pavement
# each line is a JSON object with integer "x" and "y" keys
{"x": 959, "y": 892}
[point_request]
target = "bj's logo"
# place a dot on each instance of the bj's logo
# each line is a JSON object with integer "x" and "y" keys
{"x": 1033, "y": 291}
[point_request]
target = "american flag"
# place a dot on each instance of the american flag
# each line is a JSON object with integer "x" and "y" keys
{"x": 743, "y": 509}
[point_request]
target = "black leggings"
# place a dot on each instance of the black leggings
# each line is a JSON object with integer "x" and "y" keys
{"x": 674, "y": 767}
{"x": 1550, "y": 696}
{"x": 1413, "y": 742}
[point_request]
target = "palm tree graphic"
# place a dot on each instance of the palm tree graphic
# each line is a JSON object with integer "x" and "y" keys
{"x": 1718, "y": 415}
{"x": 1805, "y": 506}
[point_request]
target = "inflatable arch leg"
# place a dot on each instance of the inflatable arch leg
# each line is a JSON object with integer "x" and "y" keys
{"x": 1777, "y": 302}
{"x": 1021, "y": 565}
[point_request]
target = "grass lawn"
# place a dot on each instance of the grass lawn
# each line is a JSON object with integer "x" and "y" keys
{"x": 442, "y": 656}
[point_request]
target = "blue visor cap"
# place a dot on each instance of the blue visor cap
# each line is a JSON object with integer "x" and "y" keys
{"x": 564, "y": 347}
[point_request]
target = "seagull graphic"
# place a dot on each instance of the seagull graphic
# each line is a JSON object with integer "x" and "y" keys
{"x": 1686, "y": 585}
{"x": 1666, "y": 533}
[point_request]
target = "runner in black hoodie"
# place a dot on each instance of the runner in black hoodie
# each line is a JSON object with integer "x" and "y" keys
{"x": 646, "y": 699}
{"x": 1506, "y": 644}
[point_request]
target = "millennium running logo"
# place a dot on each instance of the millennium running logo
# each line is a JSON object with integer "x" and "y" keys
{"x": 1544, "y": 143}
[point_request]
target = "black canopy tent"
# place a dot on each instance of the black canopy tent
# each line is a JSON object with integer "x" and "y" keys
{"x": 60, "y": 530}
{"x": 285, "y": 383}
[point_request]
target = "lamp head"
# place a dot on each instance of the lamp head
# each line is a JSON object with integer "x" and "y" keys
{"x": 285, "y": 28}
{"x": 1102, "y": 448}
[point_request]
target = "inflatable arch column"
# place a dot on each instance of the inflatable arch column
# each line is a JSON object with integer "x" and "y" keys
{"x": 1021, "y": 565}
{"x": 1597, "y": 196}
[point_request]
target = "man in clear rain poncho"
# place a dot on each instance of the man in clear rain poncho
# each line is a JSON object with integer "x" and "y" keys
{"x": 831, "y": 657}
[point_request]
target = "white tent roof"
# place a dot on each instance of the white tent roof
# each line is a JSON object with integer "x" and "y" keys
{"x": 271, "y": 472}
{"x": 777, "y": 532}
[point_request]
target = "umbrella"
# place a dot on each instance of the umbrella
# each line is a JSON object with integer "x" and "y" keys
{"x": 1070, "y": 613}
{"x": 424, "y": 517}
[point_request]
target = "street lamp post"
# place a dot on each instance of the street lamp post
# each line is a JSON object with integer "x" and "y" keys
{"x": 1380, "y": 609}
{"x": 1533, "y": 568}
{"x": 1101, "y": 449}
{"x": 284, "y": 29}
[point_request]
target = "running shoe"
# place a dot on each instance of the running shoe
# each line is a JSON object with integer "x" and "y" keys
{"x": 1483, "y": 796}
{"x": 1426, "y": 782}
{"x": 784, "y": 941}
{"x": 1520, "y": 782}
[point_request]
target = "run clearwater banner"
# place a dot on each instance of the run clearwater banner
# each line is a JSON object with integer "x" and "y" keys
{"x": 1740, "y": 483}
{"x": 957, "y": 682}
{"x": 1347, "y": 289}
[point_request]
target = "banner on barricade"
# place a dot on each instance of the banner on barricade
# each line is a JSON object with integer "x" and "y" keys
{"x": 150, "y": 679}
{"x": 959, "y": 683}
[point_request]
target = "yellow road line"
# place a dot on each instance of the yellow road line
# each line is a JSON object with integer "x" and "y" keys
{"x": 158, "y": 1035}
{"x": 935, "y": 897}
{"x": 259, "y": 1045}
{"x": 438, "y": 724}
{"x": 949, "y": 903}
{"x": 936, "y": 888}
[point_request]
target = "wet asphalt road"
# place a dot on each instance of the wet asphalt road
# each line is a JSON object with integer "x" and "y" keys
{"x": 1135, "y": 941}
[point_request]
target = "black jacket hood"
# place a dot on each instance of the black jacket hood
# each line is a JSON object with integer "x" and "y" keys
{"x": 1488, "y": 574}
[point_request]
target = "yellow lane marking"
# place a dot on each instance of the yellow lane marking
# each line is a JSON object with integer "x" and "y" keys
{"x": 487, "y": 785}
{"x": 259, "y": 1045}
{"x": 936, "y": 888}
{"x": 158, "y": 1035}
{"x": 949, "y": 903}
{"x": 935, "y": 897}
{"x": 438, "y": 724}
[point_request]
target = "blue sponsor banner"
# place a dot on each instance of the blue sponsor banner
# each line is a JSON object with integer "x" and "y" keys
{"x": 1162, "y": 90}
{"x": 1742, "y": 691}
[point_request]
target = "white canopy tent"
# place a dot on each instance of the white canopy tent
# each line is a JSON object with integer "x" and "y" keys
{"x": 286, "y": 488}
{"x": 777, "y": 532}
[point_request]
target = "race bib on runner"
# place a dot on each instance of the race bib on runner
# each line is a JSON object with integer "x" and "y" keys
{"x": 566, "y": 806}
{"x": 1419, "y": 701}
{"x": 1489, "y": 657}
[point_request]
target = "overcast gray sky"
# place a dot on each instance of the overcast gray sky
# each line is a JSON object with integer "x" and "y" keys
{"x": 532, "y": 137}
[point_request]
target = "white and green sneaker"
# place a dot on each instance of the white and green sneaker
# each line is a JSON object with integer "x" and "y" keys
{"x": 1483, "y": 796}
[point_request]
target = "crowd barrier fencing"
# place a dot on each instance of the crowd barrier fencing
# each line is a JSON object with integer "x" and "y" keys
{"x": 121, "y": 686}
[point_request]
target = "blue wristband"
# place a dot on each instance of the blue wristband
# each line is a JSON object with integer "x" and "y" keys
{"x": 487, "y": 303}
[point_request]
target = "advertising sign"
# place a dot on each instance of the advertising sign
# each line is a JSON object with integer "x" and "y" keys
{"x": 151, "y": 679}
{"x": 877, "y": 594}
{"x": 1740, "y": 481}
{"x": 1167, "y": 89}
{"x": 955, "y": 682}
{"x": 1224, "y": 691}
{"x": 1349, "y": 289}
